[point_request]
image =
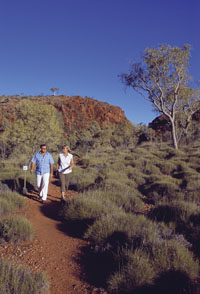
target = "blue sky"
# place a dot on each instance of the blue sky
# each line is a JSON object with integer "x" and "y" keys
{"x": 81, "y": 46}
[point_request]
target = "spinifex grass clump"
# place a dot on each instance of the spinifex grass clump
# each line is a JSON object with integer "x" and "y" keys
{"x": 136, "y": 271}
{"x": 177, "y": 212}
{"x": 141, "y": 251}
{"x": 83, "y": 178}
{"x": 158, "y": 187}
{"x": 93, "y": 204}
{"x": 143, "y": 266}
{"x": 10, "y": 201}
{"x": 15, "y": 229}
{"x": 19, "y": 280}
{"x": 129, "y": 230}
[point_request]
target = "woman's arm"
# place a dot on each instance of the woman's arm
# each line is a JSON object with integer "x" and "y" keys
{"x": 58, "y": 163}
{"x": 71, "y": 163}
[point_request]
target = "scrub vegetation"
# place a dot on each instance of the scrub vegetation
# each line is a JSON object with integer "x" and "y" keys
{"x": 139, "y": 208}
{"x": 138, "y": 204}
{"x": 15, "y": 280}
{"x": 16, "y": 229}
{"x": 10, "y": 201}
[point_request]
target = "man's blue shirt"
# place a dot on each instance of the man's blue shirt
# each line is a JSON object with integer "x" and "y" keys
{"x": 42, "y": 163}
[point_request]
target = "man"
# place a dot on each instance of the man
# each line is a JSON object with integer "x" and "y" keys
{"x": 44, "y": 169}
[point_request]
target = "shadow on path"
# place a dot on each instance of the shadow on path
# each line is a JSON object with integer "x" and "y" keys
{"x": 75, "y": 229}
{"x": 51, "y": 209}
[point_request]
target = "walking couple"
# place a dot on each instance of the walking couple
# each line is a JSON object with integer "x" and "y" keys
{"x": 44, "y": 163}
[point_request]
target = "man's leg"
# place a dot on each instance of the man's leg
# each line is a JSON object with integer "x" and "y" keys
{"x": 45, "y": 179}
{"x": 39, "y": 183}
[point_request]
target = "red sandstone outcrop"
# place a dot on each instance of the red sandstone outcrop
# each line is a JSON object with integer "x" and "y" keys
{"x": 78, "y": 113}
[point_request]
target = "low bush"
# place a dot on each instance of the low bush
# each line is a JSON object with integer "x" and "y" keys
{"x": 15, "y": 229}
{"x": 137, "y": 229}
{"x": 190, "y": 184}
{"x": 136, "y": 273}
{"x": 6, "y": 207}
{"x": 167, "y": 167}
{"x": 19, "y": 280}
{"x": 84, "y": 178}
{"x": 10, "y": 201}
{"x": 128, "y": 200}
{"x": 4, "y": 187}
{"x": 144, "y": 265}
{"x": 142, "y": 250}
{"x": 157, "y": 188}
{"x": 180, "y": 213}
{"x": 88, "y": 206}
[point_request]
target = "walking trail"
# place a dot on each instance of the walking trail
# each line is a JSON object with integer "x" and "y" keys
{"x": 52, "y": 249}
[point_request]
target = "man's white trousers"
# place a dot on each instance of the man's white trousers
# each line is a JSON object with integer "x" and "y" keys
{"x": 42, "y": 184}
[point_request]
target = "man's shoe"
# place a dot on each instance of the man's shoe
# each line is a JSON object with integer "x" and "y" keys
{"x": 63, "y": 199}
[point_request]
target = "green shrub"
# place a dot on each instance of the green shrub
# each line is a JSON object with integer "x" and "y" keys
{"x": 170, "y": 255}
{"x": 137, "y": 228}
{"x": 7, "y": 174}
{"x": 179, "y": 212}
{"x": 158, "y": 187}
{"x": 84, "y": 162}
{"x": 112, "y": 184}
{"x": 140, "y": 267}
{"x": 84, "y": 178}
{"x": 137, "y": 272}
{"x": 129, "y": 200}
{"x": 10, "y": 201}
{"x": 136, "y": 176}
{"x": 19, "y": 280}
{"x": 167, "y": 167}
{"x": 87, "y": 206}
{"x": 15, "y": 229}
{"x": 6, "y": 207}
{"x": 147, "y": 166}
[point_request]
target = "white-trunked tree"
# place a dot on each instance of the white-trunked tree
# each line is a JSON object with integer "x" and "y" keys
{"x": 162, "y": 78}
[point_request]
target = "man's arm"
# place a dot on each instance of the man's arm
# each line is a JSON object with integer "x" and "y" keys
{"x": 51, "y": 162}
{"x": 32, "y": 167}
{"x": 51, "y": 170}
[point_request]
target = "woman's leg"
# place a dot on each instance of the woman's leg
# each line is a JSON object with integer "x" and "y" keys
{"x": 67, "y": 180}
{"x": 62, "y": 181}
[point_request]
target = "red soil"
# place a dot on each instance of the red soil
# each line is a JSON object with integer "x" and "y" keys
{"x": 52, "y": 250}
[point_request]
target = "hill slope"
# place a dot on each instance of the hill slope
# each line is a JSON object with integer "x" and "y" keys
{"x": 78, "y": 113}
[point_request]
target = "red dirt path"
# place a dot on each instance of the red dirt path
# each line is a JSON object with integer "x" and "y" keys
{"x": 52, "y": 250}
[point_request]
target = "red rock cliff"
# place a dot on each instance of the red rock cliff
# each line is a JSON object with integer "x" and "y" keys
{"x": 78, "y": 113}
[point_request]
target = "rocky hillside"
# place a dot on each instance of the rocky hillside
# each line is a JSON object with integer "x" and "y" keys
{"x": 78, "y": 113}
{"x": 162, "y": 125}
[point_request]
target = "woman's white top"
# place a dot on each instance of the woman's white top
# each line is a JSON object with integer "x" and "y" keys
{"x": 64, "y": 163}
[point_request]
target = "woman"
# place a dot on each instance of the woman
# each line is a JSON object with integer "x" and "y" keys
{"x": 64, "y": 168}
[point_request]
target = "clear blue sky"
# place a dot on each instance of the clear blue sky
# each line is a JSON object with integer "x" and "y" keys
{"x": 81, "y": 46}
